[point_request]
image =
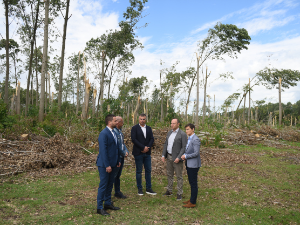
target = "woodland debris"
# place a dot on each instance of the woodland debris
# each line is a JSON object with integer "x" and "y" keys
{"x": 39, "y": 156}
{"x": 24, "y": 137}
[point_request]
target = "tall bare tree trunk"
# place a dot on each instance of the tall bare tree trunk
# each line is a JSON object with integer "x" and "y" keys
{"x": 49, "y": 91}
{"x": 37, "y": 79}
{"x": 77, "y": 106}
{"x": 62, "y": 59}
{"x": 128, "y": 113}
{"x": 245, "y": 95}
{"x": 111, "y": 73}
{"x": 214, "y": 107}
{"x": 94, "y": 101}
{"x": 171, "y": 97}
{"x": 18, "y": 107}
{"x": 198, "y": 86}
{"x": 85, "y": 105}
{"x": 44, "y": 65}
{"x": 204, "y": 103}
{"x": 161, "y": 101}
{"x": 147, "y": 108}
{"x": 46, "y": 89}
{"x": 32, "y": 90}
{"x": 136, "y": 108}
{"x": 7, "y": 54}
{"x": 256, "y": 114}
{"x": 249, "y": 105}
{"x": 102, "y": 83}
{"x": 31, "y": 52}
{"x": 12, "y": 100}
{"x": 280, "y": 106}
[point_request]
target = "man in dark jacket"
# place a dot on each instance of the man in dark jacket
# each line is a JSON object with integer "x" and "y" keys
{"x": 142, "y": 138}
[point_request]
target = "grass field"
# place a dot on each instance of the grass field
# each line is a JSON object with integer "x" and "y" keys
{"x": 267, "y": 192}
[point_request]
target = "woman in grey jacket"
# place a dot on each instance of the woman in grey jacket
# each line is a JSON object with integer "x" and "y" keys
{"x": 192, "y": 162}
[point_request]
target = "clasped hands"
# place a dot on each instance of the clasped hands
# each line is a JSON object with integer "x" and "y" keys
{"x": 109, "y": 169}
{"x": 176, "y": 160}
{"x": 146, "y": 149}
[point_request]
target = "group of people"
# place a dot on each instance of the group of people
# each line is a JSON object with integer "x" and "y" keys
{"x": 180, "y": 147}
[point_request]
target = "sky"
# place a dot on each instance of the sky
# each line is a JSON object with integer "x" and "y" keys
{"x": 176, "y": 27}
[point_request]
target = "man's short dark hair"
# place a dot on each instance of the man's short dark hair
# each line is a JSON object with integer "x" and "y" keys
{"x": 108, "y": 118}
{"x": 142, "y": 115}
{"x": 178, "y": 121}
{"x": 192, "y": 126}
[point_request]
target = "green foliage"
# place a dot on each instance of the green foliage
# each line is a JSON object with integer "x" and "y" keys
{"x": 224, "y": 39}
{"x": 33, "y": 111}
{"x": 269, "y": 77}
{"x": 172, "y": 115}
{"x": 6, "y": 120}
{"x": 3, "y": 113}
{"x": 49, "y": 128}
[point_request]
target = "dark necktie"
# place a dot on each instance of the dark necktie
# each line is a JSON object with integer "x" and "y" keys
{"x": 115, "y": 136}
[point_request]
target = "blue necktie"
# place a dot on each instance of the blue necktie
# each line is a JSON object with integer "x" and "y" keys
{"x": 115, "y": 136}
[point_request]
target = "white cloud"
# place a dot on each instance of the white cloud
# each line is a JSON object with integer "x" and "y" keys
{"x": 283, "y": 54}
{"x": 259, "y": 17}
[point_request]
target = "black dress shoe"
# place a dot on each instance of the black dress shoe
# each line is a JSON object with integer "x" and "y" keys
{"x": 120, "y": 195}
{"x": 102, "y": 212}
{"x": 112, "y": 207}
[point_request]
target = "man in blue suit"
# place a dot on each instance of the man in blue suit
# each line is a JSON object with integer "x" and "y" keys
{"x": 107, "y": 161}
{"x": 123, "y": 153}
{"x": 142, "y": 138}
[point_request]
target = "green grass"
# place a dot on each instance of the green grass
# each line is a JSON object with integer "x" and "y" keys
{"x": 264, "y": 193}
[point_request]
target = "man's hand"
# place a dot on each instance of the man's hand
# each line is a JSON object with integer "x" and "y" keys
{"x": 163, "y": 159}
{"x": 108, "y": 169}
{"x": 176, "y": 160}
{"x": 126, "y": 154}
{"x": 146, "y": 149}
{"x": 119, "y": 164}
{"x": 183, "y": 157}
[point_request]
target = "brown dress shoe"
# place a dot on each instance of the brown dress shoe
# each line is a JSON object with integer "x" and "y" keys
{"x": 189, "y": 205}
{"x": 186, "y": 202}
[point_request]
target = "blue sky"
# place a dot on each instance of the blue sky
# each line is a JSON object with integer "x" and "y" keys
{"x": 174, "y": 29}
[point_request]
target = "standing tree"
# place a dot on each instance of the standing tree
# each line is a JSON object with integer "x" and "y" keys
{"x": 66, "y": 17}
{"x": 13, "y": 52}
{"x": 270, "y": 77}
{"x": 28, "y": 33}
{"x": 44, "y": 65}
{"x": 223, "y": 39}
{"x": 8, "y": 4}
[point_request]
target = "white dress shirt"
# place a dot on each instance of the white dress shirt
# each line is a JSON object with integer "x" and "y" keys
{"x": 143, "y": 129}
{"x": 171, "y": 141}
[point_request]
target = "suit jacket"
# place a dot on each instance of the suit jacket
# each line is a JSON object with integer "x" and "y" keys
{"x": 139, "y": 141}
{"x": 108, "y": 150}
{"x": 192, "y": 153}
{"x": 120, "y": 142}
{"x": 179, "y": 144}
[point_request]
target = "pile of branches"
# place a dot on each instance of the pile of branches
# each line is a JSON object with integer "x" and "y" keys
{"x": 262, "y": 135}
{"x": 38, "y": 154}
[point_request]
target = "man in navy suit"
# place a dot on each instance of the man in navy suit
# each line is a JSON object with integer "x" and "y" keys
{"x": 142, "y": 138}
{"x": 107, "y": 161}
